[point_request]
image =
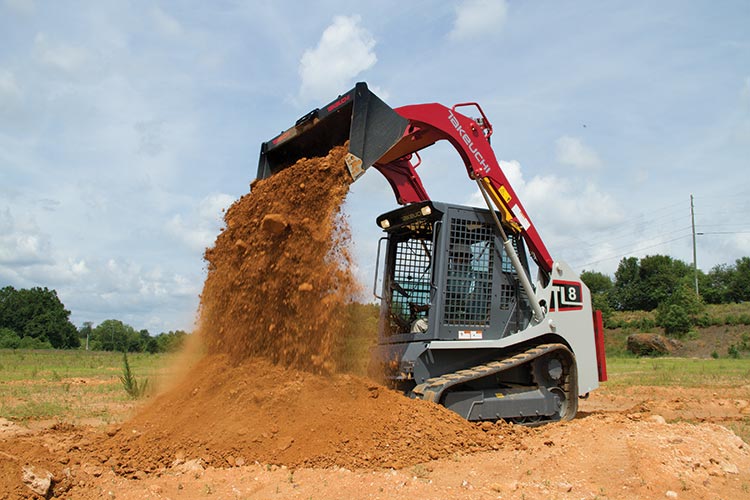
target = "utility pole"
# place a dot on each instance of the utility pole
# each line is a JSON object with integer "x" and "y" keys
{"x": 695, "y": 259}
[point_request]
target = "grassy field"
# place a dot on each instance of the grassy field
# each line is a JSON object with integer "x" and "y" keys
{"x": 84, "y": 387}
{"x": 667, "y": 372}
{"x": 75, "y": 386}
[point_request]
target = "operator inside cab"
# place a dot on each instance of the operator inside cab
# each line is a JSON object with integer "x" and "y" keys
{"x": 460, "y": 284}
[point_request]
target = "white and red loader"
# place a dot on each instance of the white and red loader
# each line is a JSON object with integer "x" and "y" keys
{"x": 461, "y": 322}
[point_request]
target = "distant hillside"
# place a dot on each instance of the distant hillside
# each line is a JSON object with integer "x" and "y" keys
{"x": 724, "y": 331}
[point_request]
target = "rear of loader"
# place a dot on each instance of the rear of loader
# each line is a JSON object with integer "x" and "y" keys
{"x": 461, "y": 324}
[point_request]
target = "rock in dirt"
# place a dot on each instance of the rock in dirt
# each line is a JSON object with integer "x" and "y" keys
{"x": 274, "y": 224}
{"x": 38, "y": 481}
{"x": 651, "y": 344}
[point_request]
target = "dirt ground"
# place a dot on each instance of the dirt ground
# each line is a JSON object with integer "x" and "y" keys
{"x": 636, "y": 442}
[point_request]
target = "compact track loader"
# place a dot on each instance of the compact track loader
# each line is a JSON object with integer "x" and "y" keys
{"x": 461, "y": 323}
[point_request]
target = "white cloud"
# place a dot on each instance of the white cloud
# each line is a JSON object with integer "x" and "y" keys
{"x": 199, "y": 231}
{"x": 572, "y": 151}
{"x": 345, "y": 50}
{"x": 558, "y": 203}
{"x": 166, "y": 24}
{"x": 478, "y": 19}
{"x": 61, "y": 56}
{"x": 565, "y": 213}
{"x": 22, "y": 243}
{"x": 126, "y": 290}
{"x": 150, "y": 134}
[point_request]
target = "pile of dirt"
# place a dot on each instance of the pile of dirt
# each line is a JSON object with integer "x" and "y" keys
{"x": 278, "y": 274}
{"x": 256, "y": 411}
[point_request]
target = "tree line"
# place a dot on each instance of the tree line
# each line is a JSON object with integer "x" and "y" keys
{"x": 35, "y": 318}
{"x": 667, "y": 285}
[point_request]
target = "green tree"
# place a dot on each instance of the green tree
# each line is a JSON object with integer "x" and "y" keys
{"x": 715, "y": 286}
{"x": 601, "y": 286}
{"x": 171, "y": 341}
{"x": 644, "y": 284}
{"x": 626, "y": 294}
{"x": 9, "y": 339}
{"x": 114, "y": 335}
{"x": 680, "y": 311}
{"x": 739, "y": 282}
{"x": 597, "y": 282}
{"x": 39, "y": 314}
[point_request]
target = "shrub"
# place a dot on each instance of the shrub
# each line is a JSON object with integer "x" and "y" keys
{"x": 33, "y": 343}
{"x": 744, "y": 344}
{"x": 9, "y": 339}
{"x": 705, "y": 320}
{"x": 612, "y": 323}
{"x": 675, "y": 320}
{"x": 646, "y": 324}
{"x": 733, "y": 351}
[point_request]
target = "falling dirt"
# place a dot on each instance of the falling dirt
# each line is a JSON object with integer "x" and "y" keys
{"x": 265, "y": 414}
{"x": 278, "y": 275}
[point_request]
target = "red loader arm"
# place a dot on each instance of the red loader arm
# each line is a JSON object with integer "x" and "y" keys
{"x": 429, "y": 123}
{"x": 387, "y": 138}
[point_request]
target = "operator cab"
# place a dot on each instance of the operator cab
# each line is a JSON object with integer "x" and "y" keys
{"x": 446, "y": 276}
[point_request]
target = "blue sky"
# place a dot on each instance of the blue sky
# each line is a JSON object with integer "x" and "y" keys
{"x": 126, "y": 128}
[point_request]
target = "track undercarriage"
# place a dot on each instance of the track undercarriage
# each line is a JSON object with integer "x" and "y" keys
{"x": 533, "y": 387}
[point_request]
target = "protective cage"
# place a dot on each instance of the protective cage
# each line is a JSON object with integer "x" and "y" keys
{"x": 468, "y": 284}
{"x": 410, "y": 281}
{"x": 450, "y": 275}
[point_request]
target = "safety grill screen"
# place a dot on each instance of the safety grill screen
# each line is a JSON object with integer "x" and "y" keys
{"x": 410, "y": 283}
{"x": 468, "y": 284}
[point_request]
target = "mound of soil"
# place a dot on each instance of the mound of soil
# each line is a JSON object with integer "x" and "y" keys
{"x": 256, "y": 411}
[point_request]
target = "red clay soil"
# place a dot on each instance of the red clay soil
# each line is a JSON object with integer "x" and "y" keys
{"x": 256, "y": 411}
{"x": 278, "y": 275}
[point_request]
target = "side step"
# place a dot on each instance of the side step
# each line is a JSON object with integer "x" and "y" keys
{"x": 551, "y": 396}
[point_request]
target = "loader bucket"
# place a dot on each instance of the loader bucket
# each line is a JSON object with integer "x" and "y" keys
{"x": 359, "y": 116}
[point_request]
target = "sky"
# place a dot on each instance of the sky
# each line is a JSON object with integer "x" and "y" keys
{"x": 126, "y": 128}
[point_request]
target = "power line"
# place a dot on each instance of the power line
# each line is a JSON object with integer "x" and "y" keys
{"x": 632, "y": 230}
{"x": 682, "y": 229}
{"x": 724, "y": 232}
{"x": 637, "y": 250}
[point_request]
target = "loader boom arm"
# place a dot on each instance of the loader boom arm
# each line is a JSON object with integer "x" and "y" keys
{"x": 387, "y": 138}
{"x": 429, "y": 123}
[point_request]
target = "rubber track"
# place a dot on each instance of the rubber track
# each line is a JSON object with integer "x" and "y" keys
{"x": 433, "y": 389}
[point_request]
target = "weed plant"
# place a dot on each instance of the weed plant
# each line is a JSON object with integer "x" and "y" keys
{"x": 132, "y": 386}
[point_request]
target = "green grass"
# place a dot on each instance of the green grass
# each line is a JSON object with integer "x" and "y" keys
{"x": 54, "y": 365}
{"x": 70, "y": 385}
{"x": 664, "y": 372}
